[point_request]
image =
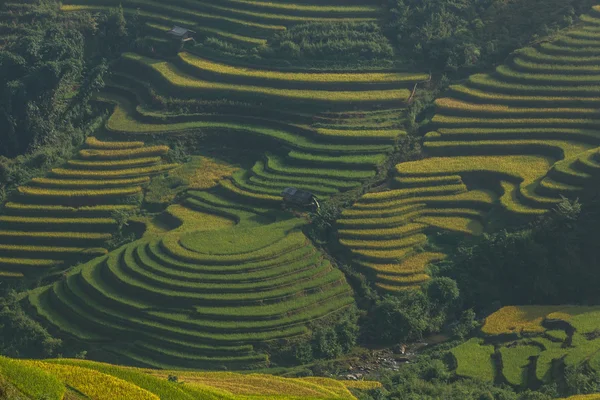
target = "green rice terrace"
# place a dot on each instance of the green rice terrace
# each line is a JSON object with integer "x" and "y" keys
{"x": 527, "y": 346}
{"x": 67, "y": 215}
{"x": 514, "y": 141}
{"x": 149, "y": 153}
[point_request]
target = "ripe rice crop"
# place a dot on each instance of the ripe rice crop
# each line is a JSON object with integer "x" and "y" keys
{"x": 30, "y": 380}
{"x": 474, "y": 94}
{"x": 56, "y": 235}
{"x": 183, "y": 82}
{"x": 113, "y": 164}
{"x": 176, "y": 11}
{"x": 520, "y": 168}
{"x": 487, "y": 81}
{"x": 71, "y": 183}
{"x": 94, "y": 384}
{"x": 51, "y": 220}
{"x": 409, "y": 241}
{"x": 325, "y": 8}
{"x": 506, "y": 72}
{"x": 148, "y": 151}
{"x": 414, "y": 264}
{"x": 52, "y": 249}
{"x": 99, "y": 209}
{"x": 278, "y": 16}
{"x": 26, "y": 262}
{"x": 315, "y": 77}
{"x": 122, "y": 173}
{"x": 57, "y": 193}
{"x": 517, "y": 319}
{"x": 396, "y": 232}
{"x": 470, "y": 108}
{"x": 376, "y": 197}
{"x": 403, "y": 280}
{"x": 94, "y": 143}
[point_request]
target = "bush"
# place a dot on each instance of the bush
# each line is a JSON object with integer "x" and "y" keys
{"x": 21, "y": 336}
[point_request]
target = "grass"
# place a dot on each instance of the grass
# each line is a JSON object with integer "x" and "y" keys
{"x": 514, "y": 363}
{"x": 474, "y": 360}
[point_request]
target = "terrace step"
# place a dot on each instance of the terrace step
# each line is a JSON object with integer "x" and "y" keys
{"x": 416, "y": 181}
{"x": 60, "y": 211}
{"x": 89, "y": 225}
{"x": 382, "y": 234}
{"x": 27, "y": 264}
{"x": 88, "y": 184}
{"x": 49, "y": 252}
{"x": 408, "y": 241}
{"x": 52, "y": 238}
{"x": 113, "y": 164}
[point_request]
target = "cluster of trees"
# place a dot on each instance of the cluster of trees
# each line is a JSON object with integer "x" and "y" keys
{"x": 552, "y": 261}
{"x": 329, "y": 339}
{"x": 48, "y": 75}
{"x": 449, "y": 35}
{"x": 326, "y": 42}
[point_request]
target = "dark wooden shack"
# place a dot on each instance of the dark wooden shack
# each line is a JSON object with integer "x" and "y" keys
{"x": 181, "y": 34}
{"x": 300, "y": 198}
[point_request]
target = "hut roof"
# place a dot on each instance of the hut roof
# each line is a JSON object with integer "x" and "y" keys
{"x": 301, "y": 196}
{"x": 178, "y": 31}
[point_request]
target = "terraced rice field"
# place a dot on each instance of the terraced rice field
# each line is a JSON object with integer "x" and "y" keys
{"x": 198, "y": 299}
{"x": 323, "y": 152}
{"x": 515, "y": 140}
{"x": 240, "y": 22}
{"x": 67, "y": 216}
{"x": 61, "y": 379}
{"x": 529, "y": 345}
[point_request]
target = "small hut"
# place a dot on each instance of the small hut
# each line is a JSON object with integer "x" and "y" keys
{"x": 300, "y": 198}
{"x": 181, "y": 34}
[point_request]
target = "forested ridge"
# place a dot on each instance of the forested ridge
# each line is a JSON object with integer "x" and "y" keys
{"x": 345, "y": 199}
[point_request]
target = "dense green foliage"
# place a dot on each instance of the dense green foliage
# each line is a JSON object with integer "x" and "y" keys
{"x": 553, "y": 261}
{"x": 20, "y": 335}
{"x": 46, "y": 81}
{"x": 344, "y": 43}
{"x": 451, "y": 35}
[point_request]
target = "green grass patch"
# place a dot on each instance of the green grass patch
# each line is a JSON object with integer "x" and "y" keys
{"x": 475, "y": 360}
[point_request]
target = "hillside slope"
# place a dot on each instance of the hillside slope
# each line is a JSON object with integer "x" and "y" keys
{"x": 512, "y": 142}
{"x": 67, "y": 379}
